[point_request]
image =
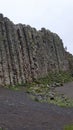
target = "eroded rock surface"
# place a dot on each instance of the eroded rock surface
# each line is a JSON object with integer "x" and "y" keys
{"x": 27, "y": 54}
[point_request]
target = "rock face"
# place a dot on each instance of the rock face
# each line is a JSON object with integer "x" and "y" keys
{"x": 27, "y": 54}
{"x": 69, "y": 57}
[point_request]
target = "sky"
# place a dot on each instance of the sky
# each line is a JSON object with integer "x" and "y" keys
{"x": 55, "y": 15}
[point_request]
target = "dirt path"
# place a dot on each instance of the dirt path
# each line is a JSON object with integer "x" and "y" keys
{"x": 67, "y": 90}
{"x": 19, "y": 112}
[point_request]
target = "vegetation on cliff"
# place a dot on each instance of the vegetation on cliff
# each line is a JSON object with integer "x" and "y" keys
{"x": 68, "y": 127}
{"x": 43, "y": 90}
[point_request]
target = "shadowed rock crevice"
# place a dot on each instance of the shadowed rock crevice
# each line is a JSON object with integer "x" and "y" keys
{"x": 27, "y": 54}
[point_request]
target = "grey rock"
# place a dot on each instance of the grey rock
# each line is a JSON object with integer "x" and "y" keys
{"x": 51, "y": 95}
{"x": 27, "y": 54}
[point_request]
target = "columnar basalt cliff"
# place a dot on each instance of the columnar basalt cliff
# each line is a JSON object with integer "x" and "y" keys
{"x": 27, "y": 54}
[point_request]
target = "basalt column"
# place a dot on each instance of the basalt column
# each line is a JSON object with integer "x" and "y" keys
{"x": 27, "y": 54}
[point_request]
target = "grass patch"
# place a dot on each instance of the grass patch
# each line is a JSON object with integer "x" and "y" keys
{"x": 62, "y": 77}
{"x": 62, "y": 102}
{"x": 68, "y": 127}
{"x": 16, "y": 87}
{"x": 41, "y": 89}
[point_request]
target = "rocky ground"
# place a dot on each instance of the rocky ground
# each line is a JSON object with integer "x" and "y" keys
{"x": 19, "y": 112}
{"x": 67, "y": 90}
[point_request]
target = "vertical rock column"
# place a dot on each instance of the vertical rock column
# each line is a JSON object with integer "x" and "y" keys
{"x": 3, "y": 56}
{"x": 60, "y": 53}
{"x": 23, "y": 53}
{"x": 30, "y": 48}
{"x": 12, "y": 53}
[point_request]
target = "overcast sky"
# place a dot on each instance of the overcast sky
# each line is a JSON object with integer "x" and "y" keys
{"x": 55, "y": 15}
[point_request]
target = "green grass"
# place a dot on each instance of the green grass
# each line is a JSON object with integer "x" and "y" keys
{"x": 16, "y": 87}
{"x": 62, "y": 77}
{"x": 3, "y": 128}
{"x": 66, "y": 102}
{"x": 68, "y": 127}
{"x": 42, "y": 87}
